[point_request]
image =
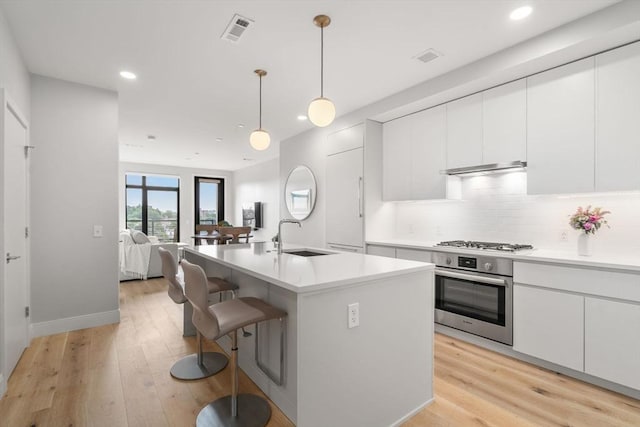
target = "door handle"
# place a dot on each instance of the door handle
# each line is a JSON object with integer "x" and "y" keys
{"x": 359, "y": 197}
{"x": 11, "y": 258}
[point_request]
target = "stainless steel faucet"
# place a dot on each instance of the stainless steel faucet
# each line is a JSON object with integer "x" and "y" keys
{"x": 285, "y": 221}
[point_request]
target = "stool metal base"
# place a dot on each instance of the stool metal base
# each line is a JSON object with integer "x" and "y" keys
{"x": 253, "y": 411}
{"x": 187, "y": 368}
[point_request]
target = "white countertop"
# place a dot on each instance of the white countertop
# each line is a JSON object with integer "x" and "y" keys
{"x": 607, "y": 261}
{"x": 306, "y": 274}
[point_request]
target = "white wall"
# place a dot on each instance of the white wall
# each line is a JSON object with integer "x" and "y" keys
{"x": 74, "y": 178}
{"x": 496, "y": 208}
{"x": 14, "y": 77}
{"x": 259, "y": 183}
{"x": 308, "y": 149}
{"x": 187, "y": 193}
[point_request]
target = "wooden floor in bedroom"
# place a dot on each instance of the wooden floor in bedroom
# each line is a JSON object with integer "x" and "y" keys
{"x": 118, "y": 375}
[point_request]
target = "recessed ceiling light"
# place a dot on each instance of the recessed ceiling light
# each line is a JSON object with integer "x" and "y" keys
{"x": 240, "y": 125}
{"x": 196, "y": 153}
{"x": 521, "y": 13}
{"x": 302, "y": 117}
{"x": 127, "y": 75}
{"x": 218, "y": 139}
{"x": 151, "y": 137}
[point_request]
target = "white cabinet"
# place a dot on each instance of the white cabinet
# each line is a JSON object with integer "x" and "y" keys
{"x": 618, "y": 119}
{"x": 560, "y": 129}
{"x": 549, "y": 325}
{"x": 612, "y": 341}
{"x": 344, "y": 194}
{"x": 414, "y": 153}
{"x": 464, "y": 132}
{"x": 504, "y": 123}
{"x": 413, "y": 255}
{"x": 386, "y": 251}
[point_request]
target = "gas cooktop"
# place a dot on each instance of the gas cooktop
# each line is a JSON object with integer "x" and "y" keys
{"x": 466, "y": 244}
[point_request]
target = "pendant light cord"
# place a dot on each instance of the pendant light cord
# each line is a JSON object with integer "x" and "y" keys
{"x": 260, "y": 120}
{"x": 322, "y": 62}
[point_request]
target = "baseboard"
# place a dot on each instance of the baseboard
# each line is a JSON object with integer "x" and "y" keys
{"x": 3, "y": 386}
{"x": 74, "y": 323}
{"x": 412, "y": 413}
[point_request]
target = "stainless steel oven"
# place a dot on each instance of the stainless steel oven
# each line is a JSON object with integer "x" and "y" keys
{"x": 474, "y": 294}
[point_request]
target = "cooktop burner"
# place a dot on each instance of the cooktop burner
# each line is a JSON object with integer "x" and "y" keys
{"x": 465, "y": 244}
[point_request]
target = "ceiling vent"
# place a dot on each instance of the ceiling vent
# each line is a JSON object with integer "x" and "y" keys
{"x": 428, "y": 55}
{"x": 236, "y": 28}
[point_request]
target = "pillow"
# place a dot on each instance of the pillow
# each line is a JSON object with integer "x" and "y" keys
{"x": 139, "y": 237}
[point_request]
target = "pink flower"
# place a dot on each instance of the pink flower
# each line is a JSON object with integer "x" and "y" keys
{"x": 594, "y": 218}
{"x": 588, "y": 226}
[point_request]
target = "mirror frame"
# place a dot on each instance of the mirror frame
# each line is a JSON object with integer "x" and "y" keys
{"x": 314, "y": 192}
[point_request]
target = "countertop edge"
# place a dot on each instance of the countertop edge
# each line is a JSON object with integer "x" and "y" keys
{"x": 532, "y": 256}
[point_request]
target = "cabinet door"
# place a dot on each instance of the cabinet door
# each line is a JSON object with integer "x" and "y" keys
{"x": 612, "y": 341}
{"x": 428, "y": 155}
{"x": 344, "y": 193}
{"x": 464, "y": 132}
{"x": 504, "y": 123}
{"x": 560, "y": 129}
{"x": 396, "y": 161}
{"x": 345, "y": 139}
{"x": 549, "y": 325}
{"x": 618, "y": 119}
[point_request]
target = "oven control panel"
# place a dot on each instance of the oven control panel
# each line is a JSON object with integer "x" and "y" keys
{"x": 486, "y": 264}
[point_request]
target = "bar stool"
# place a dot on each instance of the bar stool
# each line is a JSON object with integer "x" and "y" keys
{"x": 215, "y": 321}
{"x": 202, "y": 364}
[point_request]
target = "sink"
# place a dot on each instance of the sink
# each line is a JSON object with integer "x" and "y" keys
{"x": 304, "y": 252}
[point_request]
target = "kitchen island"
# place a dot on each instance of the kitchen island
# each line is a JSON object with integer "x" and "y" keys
{"x": 378, "y": 373}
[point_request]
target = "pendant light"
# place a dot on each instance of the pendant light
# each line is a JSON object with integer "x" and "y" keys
{"x": 260, "y": 138}
{"x": 321, "y": 110}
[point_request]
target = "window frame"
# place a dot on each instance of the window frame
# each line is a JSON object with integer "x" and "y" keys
{"x": 145, "y": 188}
{"x": 196, "y": 190}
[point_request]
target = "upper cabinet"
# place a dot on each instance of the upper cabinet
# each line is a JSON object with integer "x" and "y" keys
{"x": 560, "y": 129}
{"x": 504, "y": 123}
{"x": 618, "y": 119}
{"x": 464, "y": 132}
{"x": 414, "y": 154}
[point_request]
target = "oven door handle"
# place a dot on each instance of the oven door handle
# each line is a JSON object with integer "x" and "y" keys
{"x": 471, "y": 278}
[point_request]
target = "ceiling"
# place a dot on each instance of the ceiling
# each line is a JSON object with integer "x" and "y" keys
{"x": 193, "y": 87}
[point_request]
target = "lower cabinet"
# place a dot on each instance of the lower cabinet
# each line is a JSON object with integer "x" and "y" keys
{"x": 612, "y": 341}
{"x": 549, "y": 325}
{"x": 413, "y": 255}
{"x": 381, "y": 251}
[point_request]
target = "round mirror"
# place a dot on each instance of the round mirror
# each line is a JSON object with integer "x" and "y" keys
{"x": 300, "y": 192}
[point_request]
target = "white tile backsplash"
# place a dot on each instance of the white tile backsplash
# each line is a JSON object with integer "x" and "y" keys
{"x": 496, "y": 208}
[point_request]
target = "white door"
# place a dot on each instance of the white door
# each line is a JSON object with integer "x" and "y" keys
{"x": 15, "y": 244}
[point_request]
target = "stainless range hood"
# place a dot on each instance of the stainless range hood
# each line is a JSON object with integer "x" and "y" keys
{"x": 491, "y": 167}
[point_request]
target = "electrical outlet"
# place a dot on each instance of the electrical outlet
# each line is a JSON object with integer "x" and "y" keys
{"x": 353, "y": 314}
{"x": 564, "y": 236}
{"x": 97, "y": 231}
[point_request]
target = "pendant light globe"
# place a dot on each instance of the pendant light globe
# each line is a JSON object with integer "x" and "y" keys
{"x": 321, "y": 112}
{"x": 260, "y": 139}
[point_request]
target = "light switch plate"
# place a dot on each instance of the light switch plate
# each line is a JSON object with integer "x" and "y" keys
{"x": 97, "y": 231}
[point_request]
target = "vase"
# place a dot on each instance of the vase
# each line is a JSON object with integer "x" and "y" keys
{"x": 584, "y": 244}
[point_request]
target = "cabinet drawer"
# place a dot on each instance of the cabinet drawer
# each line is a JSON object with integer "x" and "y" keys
{"x": 610, "y": 284}
{"x": 387, "y": 251}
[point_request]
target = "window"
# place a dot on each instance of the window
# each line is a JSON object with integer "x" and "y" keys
{"x": 153, "y": 205}
{"x": 209, "y": 200}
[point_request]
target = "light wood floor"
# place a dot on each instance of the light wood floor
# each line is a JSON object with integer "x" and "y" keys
{"x": 118, "y": 375}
